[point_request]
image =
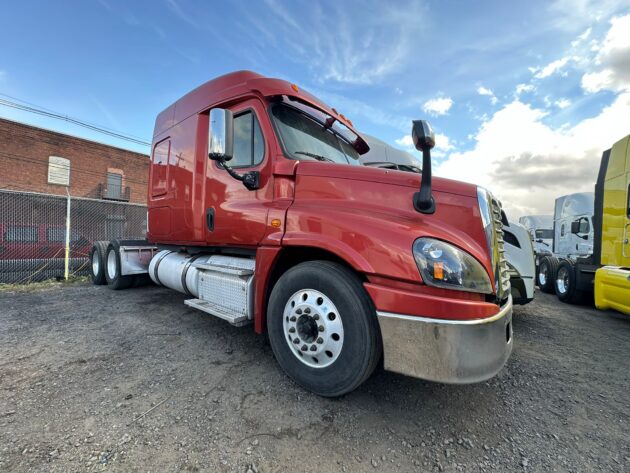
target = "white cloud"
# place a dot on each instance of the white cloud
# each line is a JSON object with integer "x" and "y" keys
{"x": 443, "y": 144}
{"x": 520, "y": 88}
{"x": 338, "y": 42}
{"x": 551, "y": 68}
{"x": 438, "y": 106}
{"x": 581, "y": 38}
{"x": 406, "y": 141}
{"x": 613, "y": 58}
{"x": 576, "y": 14}
{"x": 528, "y": 163}
{"x": 481, "y": 90}
{"x": 562, "y": 103}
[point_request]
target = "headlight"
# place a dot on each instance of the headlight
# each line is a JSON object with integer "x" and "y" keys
{"x": 443, "y": 265}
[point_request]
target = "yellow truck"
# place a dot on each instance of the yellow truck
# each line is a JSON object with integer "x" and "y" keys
{"x": 591, "y": 253}
{"x": 612, "y": 207}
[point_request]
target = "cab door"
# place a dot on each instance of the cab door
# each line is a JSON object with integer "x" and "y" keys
{"x": 234, "y": 215}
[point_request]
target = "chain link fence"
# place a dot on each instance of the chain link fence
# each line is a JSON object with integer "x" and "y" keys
{"x": 33, "y": 233}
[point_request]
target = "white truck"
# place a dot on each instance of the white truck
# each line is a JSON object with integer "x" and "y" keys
{"x": 517, "y": 242}
{"x": 540, "y": 228}
{"x": 572, "y": 238}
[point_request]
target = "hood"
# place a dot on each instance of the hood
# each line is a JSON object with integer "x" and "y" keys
{"x": 383, "y": 176}
{"x": 372, "y": 208}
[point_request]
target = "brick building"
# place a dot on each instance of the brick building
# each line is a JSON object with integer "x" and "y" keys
{"x": 39, "y": 160}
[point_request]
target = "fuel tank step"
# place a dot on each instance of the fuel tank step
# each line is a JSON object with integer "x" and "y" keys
{"x": 236, "y": 319}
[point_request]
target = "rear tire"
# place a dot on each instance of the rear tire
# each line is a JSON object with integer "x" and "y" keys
{"x": 323, "y": 329}
{"x": 547, "y": 274}
{"x": 112, "y": 269}
{"x": 97, "y": 263}
{"x": 566, "y": 284}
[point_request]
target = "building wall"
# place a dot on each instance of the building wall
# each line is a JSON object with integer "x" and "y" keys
{"x": 25, "y": 151}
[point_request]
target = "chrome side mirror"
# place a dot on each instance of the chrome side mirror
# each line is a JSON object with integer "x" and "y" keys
{"x": 221, "y": 135}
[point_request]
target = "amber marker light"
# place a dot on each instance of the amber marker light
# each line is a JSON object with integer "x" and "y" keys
{"x": 295, "y": 88}
{"x": 276, "y": 222}
{"x": 438, "y": 270}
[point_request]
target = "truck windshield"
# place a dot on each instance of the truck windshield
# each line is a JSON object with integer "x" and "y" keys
{"x": 304, "y": 137}
{"x": 544, "y": 234}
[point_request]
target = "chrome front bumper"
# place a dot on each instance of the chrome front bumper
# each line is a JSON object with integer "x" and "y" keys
{"x": 447, "y": 351}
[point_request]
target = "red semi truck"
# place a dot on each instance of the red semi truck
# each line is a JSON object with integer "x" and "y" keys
{"x": 260, "y": 212}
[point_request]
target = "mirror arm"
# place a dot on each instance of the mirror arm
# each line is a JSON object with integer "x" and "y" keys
{"x": 423, "y": 200}
{"x": 251, "y": 179}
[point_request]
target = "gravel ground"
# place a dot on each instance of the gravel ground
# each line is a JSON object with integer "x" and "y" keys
{"x": 92, "y": 380}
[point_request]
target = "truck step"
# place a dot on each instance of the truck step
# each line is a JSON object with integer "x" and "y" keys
{"x": 236, "y": 319}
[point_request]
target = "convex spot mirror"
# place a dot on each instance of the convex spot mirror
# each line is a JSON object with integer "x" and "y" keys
{"x": 422, "y": 135}
{"x": 221, "y": 135}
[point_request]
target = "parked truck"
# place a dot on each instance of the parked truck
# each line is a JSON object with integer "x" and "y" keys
{"x": 567, "y": 245}
{"x": 540, "y": 228}
{"x": 592, "y": 253}
{"x": 259, "y": 212}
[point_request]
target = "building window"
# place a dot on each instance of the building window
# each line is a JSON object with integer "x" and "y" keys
{"x": 58, "y": 171}
{"x": 21, "y": 234}
{"x": 114, "y": 185}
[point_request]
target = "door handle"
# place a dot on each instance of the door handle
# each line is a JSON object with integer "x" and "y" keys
{"x": 210, "y": 218}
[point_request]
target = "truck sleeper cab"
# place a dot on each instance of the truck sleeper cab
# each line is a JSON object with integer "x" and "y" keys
{"x": 259, "y": 213}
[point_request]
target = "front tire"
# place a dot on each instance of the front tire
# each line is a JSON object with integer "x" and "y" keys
{"x": 115, "y": 279}
{"x": 547, "y": 274}
{"x": 323, "y": 329}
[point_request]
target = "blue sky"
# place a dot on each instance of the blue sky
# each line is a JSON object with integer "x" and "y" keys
{"x": 478, "y": 70}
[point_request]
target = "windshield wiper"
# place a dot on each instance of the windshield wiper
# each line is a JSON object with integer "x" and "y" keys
{"x": 319, "y": 157}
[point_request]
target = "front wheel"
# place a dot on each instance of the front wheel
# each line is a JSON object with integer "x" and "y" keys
{"x": 323, "y": 329}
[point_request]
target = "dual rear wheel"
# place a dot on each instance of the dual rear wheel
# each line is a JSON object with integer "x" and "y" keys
{"x": 106, "y": 268}
{"x": 559, "y": 277}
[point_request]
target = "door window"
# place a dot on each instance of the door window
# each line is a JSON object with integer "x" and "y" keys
{"x": 249, "y": 145}
{"x": 585, "y": 227}
{"x": 160, "y": 168}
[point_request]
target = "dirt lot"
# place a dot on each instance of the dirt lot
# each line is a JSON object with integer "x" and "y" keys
{"x": 94, "y": 380}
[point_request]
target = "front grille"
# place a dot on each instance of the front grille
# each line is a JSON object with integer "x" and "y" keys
{"x": 490, "y": 209}
{"x": 501, "y": 266}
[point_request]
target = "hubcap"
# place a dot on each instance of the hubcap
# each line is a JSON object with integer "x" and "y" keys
{"x": 562, "y": 280}
{"x": 96, "y": 264}
{"x": 111, "y": 264}
{"x": 313, "y": 328}
{"x": 542, "y": 276}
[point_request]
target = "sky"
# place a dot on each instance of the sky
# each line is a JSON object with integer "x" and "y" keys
{"x": 524, "y": 96}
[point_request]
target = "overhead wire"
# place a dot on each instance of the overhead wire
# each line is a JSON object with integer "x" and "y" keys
{"x": 32, "y": 108}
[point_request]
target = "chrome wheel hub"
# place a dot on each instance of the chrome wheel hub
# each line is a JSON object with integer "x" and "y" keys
{"x": 542, "y": 276}
{"x": 313, "y": 328}
{"x": 95, "y": 263}
{"x": 562, "y": 280}
{"x": 111, "y": 264}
